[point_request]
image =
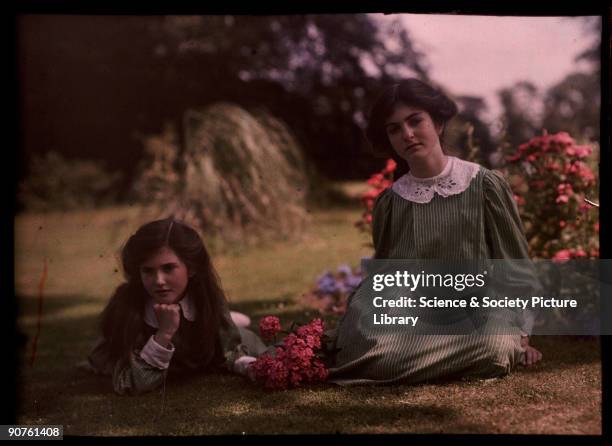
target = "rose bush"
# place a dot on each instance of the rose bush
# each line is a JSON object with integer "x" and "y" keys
{"x": 378, "y": 183}
{"x": 551, "y": 176}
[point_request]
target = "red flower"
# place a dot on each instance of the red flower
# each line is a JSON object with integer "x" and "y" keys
{"x": 580, "y": 253}
{"x": 375, "y": 179}
{"x": 268, "y": 327}
{"x": 390, "y": 167}
{"x": 513, "y": 158}
{"x": 315, "y": 328}
{"x": 564, "y": 138}
{"x": 565, "y": 188}
{"x": 554, "y": 166}
{"x": 294, "y": 362}
{"x": 519, "y": 200}
{"x": 583, "y": 151}
{"x": 563, "y": 254}
{"x": 586, "y": 173}
{"x": 371, "y": 194}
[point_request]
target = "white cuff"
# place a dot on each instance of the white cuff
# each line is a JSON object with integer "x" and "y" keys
{"x": 241, "y": 364}
{"x": 156, "y": 355}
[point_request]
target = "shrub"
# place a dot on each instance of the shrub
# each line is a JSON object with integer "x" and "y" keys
{"x": 56, "y": 183}
{"x": 553, "y": 183}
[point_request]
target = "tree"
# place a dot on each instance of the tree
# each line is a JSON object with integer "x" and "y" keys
{"x": 573, "y": 104}
{"x": 521, "y": 107}
{"x": 95, "y": 87}
{"x": 470, "y": 131}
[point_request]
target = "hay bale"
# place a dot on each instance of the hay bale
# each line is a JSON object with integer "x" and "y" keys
{"x": 242, "y": 177}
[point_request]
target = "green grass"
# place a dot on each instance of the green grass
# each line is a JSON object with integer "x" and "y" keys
{"x": 562, "y": 395}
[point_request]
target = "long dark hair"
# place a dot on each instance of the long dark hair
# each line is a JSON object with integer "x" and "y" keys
{"x": 410, "y": 92}
{"x": 123, "y": 318}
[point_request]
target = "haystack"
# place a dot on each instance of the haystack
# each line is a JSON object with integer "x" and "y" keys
{"x": 242, "y": 176}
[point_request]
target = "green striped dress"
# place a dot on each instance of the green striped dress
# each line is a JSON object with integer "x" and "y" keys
{"x": 482, "y": 222}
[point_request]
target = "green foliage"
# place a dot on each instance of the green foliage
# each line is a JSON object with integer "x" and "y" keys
{"x": 56, "y": 183}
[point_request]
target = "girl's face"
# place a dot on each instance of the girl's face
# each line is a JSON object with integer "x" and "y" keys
{"x": 412, "y": 133}
{"x": 164, "y": 276}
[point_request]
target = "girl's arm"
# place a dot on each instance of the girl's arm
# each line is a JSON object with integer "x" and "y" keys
{"x": 144, "y": 370}
{"x": 506, "y": 239}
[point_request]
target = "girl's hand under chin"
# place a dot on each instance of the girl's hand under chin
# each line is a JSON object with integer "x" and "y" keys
{"x": 168, "y": 320}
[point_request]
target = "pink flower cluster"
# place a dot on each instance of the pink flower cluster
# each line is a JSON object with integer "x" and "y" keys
{"x": 269, "y": 326}
{"x": 567, "y": 254}
{"x": 378, "y": 183}
{"x": 297, "y": 361}
{"x": 561, "y": 143}
{"x": 552, "y": 181}
{"x": 557, "y": 152}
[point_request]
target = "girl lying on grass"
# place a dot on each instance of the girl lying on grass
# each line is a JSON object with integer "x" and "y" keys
{"x": 170, "y": 316}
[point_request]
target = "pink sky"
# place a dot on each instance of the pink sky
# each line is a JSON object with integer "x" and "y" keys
{"x": 478, "y": 55}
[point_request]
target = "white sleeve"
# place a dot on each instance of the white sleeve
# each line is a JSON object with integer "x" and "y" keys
{"x": 156, "y": 355}
{"x": 241, "y": 364}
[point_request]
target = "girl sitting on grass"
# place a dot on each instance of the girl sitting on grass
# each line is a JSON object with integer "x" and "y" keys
{"x": 439, "y": 207}
{"x": 170, "y": 316}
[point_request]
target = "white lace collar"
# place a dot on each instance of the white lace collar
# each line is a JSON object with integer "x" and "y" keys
{"x": 187, "y": 307}
{"x": 454, "y": 179}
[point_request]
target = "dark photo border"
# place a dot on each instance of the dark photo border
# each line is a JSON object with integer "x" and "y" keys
{"x": 517, "y": 8}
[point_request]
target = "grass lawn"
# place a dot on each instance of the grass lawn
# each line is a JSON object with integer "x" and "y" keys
{"x": 562, "y": 395}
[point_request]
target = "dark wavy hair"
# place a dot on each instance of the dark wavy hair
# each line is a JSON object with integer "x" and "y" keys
{"x": 122, "y": 320}
{"x": 411, "y": 92}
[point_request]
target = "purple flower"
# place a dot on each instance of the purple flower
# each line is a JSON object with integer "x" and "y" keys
{"x": 352, "y": 282}
{"x": 328, "y": 285}
{"x": 326, "y": 276}
{"x": 345, "y": 269}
